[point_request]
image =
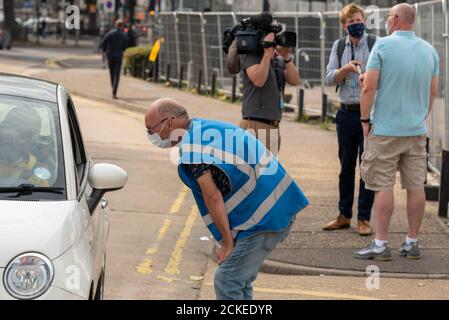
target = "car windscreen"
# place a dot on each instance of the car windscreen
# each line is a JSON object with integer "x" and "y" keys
{"x": 31, "y": 154}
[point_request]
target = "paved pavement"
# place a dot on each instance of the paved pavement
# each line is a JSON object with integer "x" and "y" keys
{"x": 310, "y": 156}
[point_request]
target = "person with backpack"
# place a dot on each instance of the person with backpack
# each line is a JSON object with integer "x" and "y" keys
{"x": 347, "y": 62}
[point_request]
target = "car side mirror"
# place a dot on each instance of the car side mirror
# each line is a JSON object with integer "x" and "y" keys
{"x": 104, "y": 177}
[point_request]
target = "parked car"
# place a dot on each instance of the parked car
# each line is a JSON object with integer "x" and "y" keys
{"x": 54, "y": 219}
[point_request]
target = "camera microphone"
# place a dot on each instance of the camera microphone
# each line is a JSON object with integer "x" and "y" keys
{"x": 260, "y": 21}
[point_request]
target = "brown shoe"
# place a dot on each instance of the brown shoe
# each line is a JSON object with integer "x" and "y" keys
{"x": 364, "y": 229}
{"x": 341, "y": 222}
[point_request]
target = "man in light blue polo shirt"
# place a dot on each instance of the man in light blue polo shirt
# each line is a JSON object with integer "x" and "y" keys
{"x": 398, "y": 91}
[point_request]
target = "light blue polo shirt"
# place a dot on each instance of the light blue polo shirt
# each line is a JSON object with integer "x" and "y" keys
{"x": 407, "y": 65}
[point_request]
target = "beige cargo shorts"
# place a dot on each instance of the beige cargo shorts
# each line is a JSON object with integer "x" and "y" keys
{"x": 383, "y": 156}
{"x": 265, "y": 133}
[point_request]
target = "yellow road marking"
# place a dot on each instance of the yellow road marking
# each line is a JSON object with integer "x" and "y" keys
{"x": 146, "y": 266}
{"x": 176, "y": 207}
{"x": 152, "y": 250}
{"x": 176, "y": 255}
{"x": 163, "y": 230}
{"x": 170, "y": 280}
{"x": 319, "y": 294}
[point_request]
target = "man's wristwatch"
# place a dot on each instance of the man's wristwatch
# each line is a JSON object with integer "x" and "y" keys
{"x": 289, "y": 60}
{"x": 365, "y": 120}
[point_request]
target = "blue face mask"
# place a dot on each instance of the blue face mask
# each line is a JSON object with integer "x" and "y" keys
{"x": 356, "y": 30}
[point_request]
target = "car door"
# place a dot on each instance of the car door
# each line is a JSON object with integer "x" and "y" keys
{"x": 95, "y": 226}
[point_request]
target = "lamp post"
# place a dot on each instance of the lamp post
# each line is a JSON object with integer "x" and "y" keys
{"x": 266, "y": 6}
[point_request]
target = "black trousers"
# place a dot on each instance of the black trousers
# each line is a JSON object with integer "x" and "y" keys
{"x": 350, "y": 147}
{"x": 115, "y": 66}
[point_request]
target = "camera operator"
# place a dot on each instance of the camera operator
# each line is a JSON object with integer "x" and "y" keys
{"x": 264, "y": 77}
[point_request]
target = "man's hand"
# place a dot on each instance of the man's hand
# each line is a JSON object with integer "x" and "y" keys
{"x": 366, "y": 128}
{"x": 346, "y": 69}
{"x": 224, "y": 252}
{"x": 269, "y": 38}
{"x": 361, "y": 79}
{"x": 352, "y": 66}
{"x": 286, "y": 53}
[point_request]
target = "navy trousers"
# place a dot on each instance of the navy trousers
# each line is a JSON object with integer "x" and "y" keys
{"x": 350, "y": 147}
{"x": 115, "y": 66}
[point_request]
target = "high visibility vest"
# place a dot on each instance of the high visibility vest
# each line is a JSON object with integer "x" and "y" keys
{"x": 263, "y": 196}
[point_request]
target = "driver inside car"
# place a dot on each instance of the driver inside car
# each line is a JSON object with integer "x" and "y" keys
{"x": 17, "y": 132}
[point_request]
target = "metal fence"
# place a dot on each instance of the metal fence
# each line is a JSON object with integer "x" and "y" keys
{"x": 193, "y": 41}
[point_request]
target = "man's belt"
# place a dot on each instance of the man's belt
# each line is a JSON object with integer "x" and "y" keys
{"x": 274, "y": 123}
{"x": 350, "y": 107}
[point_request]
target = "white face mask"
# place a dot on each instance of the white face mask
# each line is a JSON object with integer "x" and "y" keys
{"x": 156, "y": 139}
{"x": 158, "y": 142}
{"x": 386, "y": 27}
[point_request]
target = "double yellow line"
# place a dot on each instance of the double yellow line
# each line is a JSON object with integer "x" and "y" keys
{"x": 172, "y": 268}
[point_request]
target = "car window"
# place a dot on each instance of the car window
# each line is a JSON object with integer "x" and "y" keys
{"x": 79, "y": 153}
{"x": 30, "y": 143}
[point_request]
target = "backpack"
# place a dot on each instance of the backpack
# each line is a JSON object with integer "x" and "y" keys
{"x": 341, "y": 48}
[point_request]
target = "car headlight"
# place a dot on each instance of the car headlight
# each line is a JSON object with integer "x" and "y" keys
{"x": 28, "y": 276}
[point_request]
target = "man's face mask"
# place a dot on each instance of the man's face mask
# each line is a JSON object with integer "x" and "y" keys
{"x": 156, "y": 139}
{"x": 356, "y": 30}
{"x": 388, "y": 28}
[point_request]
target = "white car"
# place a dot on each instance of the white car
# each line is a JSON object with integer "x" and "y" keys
{"x": 54, "y": 221}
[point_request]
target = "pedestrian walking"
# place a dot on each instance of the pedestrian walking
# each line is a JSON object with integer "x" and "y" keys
{"x": 114, "y": 44}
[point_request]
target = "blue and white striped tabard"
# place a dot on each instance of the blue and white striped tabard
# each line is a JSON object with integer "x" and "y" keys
{"x": 263, "y": 196}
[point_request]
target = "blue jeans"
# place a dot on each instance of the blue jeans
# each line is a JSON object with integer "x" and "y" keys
{"x": 350, "y": 147}
{"x": 234, "y": 277}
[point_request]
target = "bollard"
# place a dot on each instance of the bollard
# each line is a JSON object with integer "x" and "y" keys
{"x": 213, "y": 87}
{"x": 200, "y": 79}
{"x": 301, "y": 103}
{"x": 234, "y": 89}
{"x": 181, "y": 76}
{"x": 133, "y": 67}
{"x": 168, "y": 73}
{"x": 155, "y": 70}
{"x": 144, "y": 68}
{"x": 324, "y": 108}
